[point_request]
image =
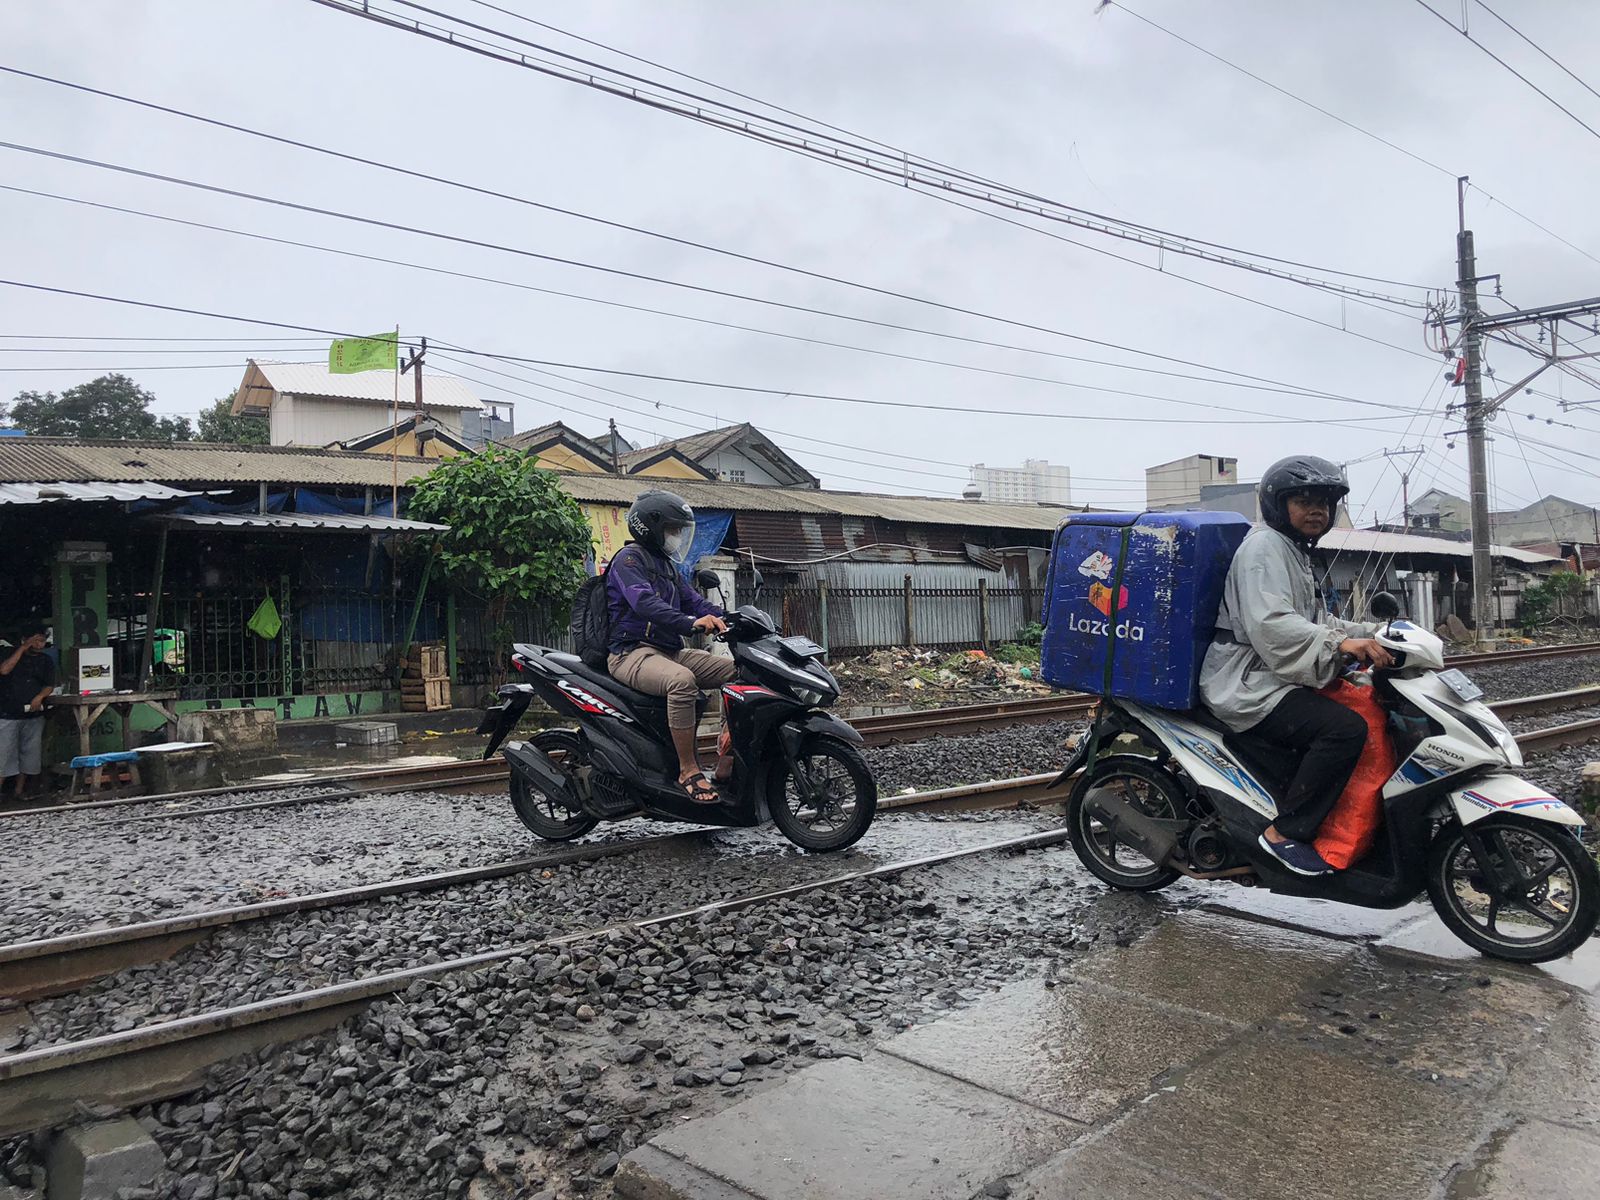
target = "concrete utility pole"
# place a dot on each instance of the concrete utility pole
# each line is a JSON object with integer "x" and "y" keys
{"x": 1477, "y": 448}
{"x": 1475, "y": 327}
{"x": 415, "y": 361}
{"x": 616, "y": 466}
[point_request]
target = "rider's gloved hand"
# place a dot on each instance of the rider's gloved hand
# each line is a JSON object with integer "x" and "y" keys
{"x": 1367, "y": 650}
{"x": 711, "y": 624}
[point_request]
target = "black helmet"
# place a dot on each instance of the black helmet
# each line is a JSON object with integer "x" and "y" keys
{"x": 1297, "y": 475}
{"x": 652, "y": 514}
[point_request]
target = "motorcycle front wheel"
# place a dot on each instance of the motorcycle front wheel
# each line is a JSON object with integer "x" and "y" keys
{"x": 1514, "y": 888}
{"x": 546, "y": 815}
{"x": 841, "y": 802}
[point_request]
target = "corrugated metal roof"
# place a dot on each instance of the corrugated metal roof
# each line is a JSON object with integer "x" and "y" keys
{"x": 1372, "y": 541}
{"x": 96, "y": 490}
{"x": 79, "y": 460}
{"x": 744, "y": 497}
{"x": 314, "y": 379}
{"x": 299, "y": 521}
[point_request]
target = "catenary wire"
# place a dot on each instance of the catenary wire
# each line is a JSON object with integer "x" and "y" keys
{"x": 1590, "y": 129}
{"x": 890, "y": 170}
{"x": 1348, "y": 124}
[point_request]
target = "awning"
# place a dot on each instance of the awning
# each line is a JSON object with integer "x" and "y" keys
{"x": 84, "y": 493}
{"x": 288, "y": 522}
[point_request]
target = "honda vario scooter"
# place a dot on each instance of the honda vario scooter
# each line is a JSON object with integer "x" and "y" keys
{"x": 794, "y": 763}
{"x": 1170, "y": 795}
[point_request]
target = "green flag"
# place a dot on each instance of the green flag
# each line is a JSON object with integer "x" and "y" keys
{"x": 376, "y": 353}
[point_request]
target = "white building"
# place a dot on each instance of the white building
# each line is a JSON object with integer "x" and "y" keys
{"x": 1035, "y": 480}
{"x": 1178, "y": 484}
{"x": 307, "y": 405}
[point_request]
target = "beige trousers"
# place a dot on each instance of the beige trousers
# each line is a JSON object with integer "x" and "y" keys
{"x": 679, "y": 677}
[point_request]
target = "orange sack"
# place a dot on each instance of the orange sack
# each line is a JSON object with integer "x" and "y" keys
{"x": 1352, "y": 826}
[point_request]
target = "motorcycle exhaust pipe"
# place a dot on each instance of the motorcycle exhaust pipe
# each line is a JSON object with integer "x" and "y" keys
{"x": 1152, "y": 837}
{"x": 534, "y": 765}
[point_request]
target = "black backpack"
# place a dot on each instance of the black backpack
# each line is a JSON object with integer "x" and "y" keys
{"x": 590, "y": 625}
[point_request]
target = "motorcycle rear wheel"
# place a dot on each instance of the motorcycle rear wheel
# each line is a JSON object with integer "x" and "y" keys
{"x": 1147, "y": 787}
{"x": 1550, "y": 911}
{"x": 848, "y": 803}
{"x": 546, "y": 815}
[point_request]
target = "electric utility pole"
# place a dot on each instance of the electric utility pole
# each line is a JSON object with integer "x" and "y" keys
{"x": 1412, "y": 452}
{"x": 1477, "y": 448}
{"x": 1506, "y": 328}
{"x": 414, "y": 361}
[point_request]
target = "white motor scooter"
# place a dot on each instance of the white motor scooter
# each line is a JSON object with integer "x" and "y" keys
{"x": 1172, "y": 794}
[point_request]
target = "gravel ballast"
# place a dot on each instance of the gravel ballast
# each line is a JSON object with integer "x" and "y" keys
{"x": 532, "y": 1079}
{"x": 73, "y": 871}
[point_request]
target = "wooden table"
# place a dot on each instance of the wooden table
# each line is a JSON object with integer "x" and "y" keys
{"x": 88, "y": 709}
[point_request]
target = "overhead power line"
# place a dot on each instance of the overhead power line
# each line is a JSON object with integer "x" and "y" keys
{"x": 1348, "y": 124}
{"x": 1562, "y": 67}
{"x": 887, "y": 166}
{"x": 523, "y": 252}
{"x": 1240, "y": 382}
{"x": 1590, "y": 129}
{"x": 712, "y": 384}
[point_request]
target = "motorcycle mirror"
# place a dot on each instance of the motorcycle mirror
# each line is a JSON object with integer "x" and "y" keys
{"x": 759, "y": 582}
{"x": 708, "y": 581}
{"x": 1384, "y": 606}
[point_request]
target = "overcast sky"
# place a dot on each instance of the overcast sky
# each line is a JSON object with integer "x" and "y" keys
{"x": 1097, "y": 110}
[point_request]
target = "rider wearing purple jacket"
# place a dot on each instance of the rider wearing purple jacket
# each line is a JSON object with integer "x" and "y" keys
{"x": 652, "y": 610}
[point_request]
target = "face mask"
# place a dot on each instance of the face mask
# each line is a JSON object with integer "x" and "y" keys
{"x": 676, "y": 544}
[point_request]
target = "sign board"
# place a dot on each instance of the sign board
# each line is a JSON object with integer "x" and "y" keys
{"x": 94, "y": 669}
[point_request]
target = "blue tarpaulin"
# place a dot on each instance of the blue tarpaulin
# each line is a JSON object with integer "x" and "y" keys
{"x": 710, "y": 527}
{"x": 308, "y": 501}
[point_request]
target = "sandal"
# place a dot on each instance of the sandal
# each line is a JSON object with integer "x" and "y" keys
{"x": 698, "y": 788}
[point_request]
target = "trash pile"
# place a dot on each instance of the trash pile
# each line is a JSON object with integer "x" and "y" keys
{"x": 933, "y": 678}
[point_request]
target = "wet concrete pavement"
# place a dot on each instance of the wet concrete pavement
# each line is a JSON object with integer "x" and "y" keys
{"x": 1275, "y": 1048}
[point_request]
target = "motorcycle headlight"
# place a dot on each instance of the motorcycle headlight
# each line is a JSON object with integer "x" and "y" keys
{"x": 809, "y": 695}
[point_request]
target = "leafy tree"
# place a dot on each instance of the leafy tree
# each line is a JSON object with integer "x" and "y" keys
{"x": 112, "y": 406}
{"x": 218, "y": 424}
{"x": 1550, "y": 598}
{"x": 515, "y": 536}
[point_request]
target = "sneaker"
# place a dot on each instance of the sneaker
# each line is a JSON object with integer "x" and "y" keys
{"x": 1299, "y": 857}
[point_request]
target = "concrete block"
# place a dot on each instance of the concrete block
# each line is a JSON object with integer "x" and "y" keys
{"x": 850, "y": 1130}
{"x": 1536, "y": 1159}
{"x": 236, "y": 731}
{"x": 179, "y": 770}
{"x": 367, "y": 733}
{"x": 1075, "y": 1050}
{"x": 90, "y": 1162}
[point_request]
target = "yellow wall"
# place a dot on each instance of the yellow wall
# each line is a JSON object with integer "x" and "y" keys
{"x": 561, "y": 458}
{"x": 670, "y": 468}
{"x": 431, "y": 448}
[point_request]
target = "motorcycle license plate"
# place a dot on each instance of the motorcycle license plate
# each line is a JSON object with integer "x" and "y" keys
{"x": 801, "y": 647}
{"x": 1457, "y": 681}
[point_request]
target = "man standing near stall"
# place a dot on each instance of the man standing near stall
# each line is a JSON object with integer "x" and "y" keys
{"x": 27, "y": 676}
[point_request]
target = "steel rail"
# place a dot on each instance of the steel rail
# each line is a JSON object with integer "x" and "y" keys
{"x": 46, "y": 1085}
{"x": 1549, "y": 702}
{"x": 878, "y": 730}
{"x": 58, "y": 965}
{"x": 1531, "y": 654}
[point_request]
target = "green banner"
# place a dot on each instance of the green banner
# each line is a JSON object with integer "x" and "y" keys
{"x": 379, "y": 352}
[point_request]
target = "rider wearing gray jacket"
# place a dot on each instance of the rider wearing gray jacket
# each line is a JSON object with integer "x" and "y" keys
{"x": 1276, "y": 645}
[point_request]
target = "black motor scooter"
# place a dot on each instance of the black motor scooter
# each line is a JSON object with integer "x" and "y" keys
{"x": 793, "y": 762}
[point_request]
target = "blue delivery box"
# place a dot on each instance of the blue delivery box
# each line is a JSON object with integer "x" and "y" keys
{"x": 1131, "y": 602}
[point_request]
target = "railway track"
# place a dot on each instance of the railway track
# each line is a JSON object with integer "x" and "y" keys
{"x": 46, "y": 1084}
{"x": 877, "y": 730}
{"x": 474, "y": 774}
